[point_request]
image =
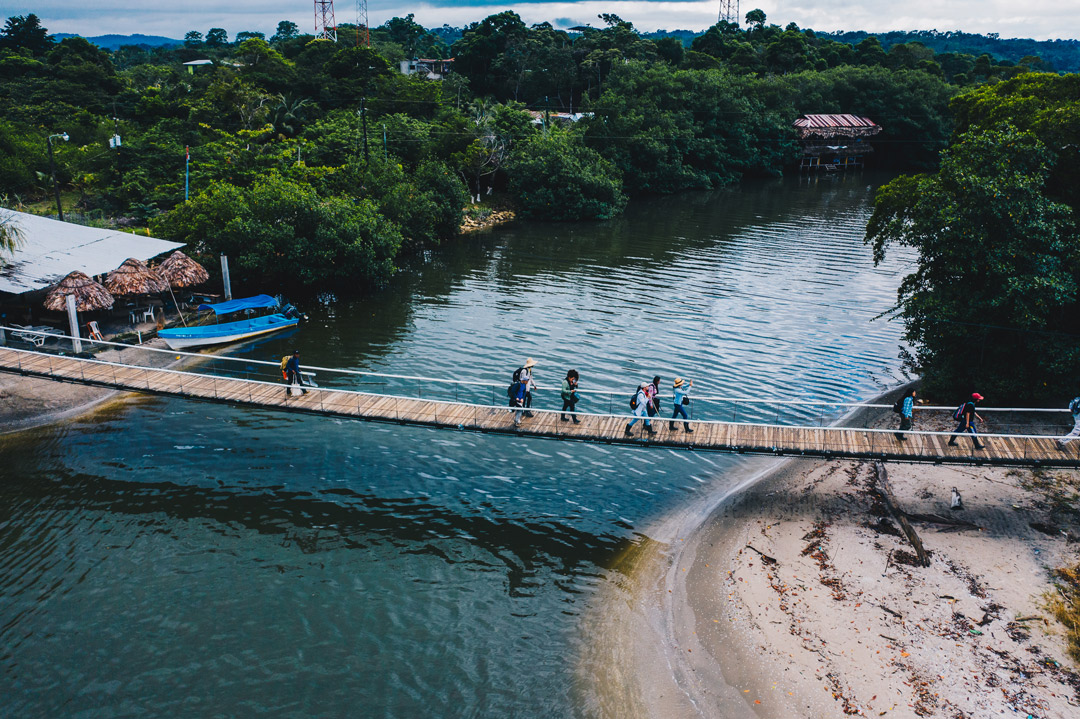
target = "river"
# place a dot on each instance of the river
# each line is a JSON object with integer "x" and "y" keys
{"x": 171, "y": 558}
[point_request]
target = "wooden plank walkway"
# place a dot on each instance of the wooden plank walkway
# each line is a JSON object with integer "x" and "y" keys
{"x": 1012, "y": 450}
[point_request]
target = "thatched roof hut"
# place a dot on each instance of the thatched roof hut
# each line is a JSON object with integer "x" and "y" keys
{"x": 134, "y": 278}
{"x": 89, "y": 295}
{"x": 179, "y": 270}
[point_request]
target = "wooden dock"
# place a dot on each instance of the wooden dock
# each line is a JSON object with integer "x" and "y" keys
{"x": 855, "y": 443}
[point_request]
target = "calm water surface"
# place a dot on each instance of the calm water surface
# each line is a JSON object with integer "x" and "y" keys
{"x": 170, "y": 558}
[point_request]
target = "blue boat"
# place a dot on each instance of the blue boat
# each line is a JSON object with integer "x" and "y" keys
{"x": 179, "y": 338}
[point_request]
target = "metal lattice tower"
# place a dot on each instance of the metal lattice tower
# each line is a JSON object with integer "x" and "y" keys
{"x": 325, "y": 25}
{"x": 729, "y": 11}
{"x": 362, "y": 22}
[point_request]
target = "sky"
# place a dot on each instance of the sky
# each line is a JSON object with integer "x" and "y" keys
{"x": 1038, "y": 19}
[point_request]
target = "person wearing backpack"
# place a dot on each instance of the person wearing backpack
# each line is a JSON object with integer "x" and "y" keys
{"x": 652, "y": 391}
{"x": 905, "y": 406}
{"x": 569, "y": 395}
{"x": 681, "y": 390}
{"x": 293, "y": 375}
{"x": 516, "y": 393}
{"x": 967, "y": 417}
{"x": 639, "y": 404}
{"x": 523, "y": 375}
{"x": 1074, "y": 407}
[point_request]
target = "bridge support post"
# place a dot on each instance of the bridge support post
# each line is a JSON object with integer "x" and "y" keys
{"x": 73, "y": 320}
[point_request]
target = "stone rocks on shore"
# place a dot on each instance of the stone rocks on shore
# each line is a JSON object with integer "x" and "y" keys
{"x": 494, "y": 219}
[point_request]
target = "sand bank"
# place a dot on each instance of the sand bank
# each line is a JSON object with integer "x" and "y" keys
{"x": 796, "y": 597}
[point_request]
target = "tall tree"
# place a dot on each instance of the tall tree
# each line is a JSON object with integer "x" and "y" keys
{"x": 24, "y": 32}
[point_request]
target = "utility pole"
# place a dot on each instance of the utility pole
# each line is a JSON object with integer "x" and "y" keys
{"x": 52, "y": 171}
{"x": 363, "y": 117}
{"x": 187, "y": 171}
{"x": 729, "y": 11}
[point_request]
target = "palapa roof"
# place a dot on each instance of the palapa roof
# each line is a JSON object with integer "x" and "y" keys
{"x": 836, "y": 125}
{"x": 51, "y": 249}
{"x": 179, "y": 270}
{"x": 135, "y": 278}
{"x": 89, "y": 295}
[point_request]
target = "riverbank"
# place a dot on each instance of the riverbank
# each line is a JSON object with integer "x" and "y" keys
{"x": 29, "y": 402}
{"x": 797, "y": 597}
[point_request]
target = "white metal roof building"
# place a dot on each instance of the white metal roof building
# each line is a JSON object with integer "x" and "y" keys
{"x": 50, "y": 249}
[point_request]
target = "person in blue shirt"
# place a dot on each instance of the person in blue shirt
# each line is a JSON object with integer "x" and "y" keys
{"x": 681, "y": 401}
{"x": 292, "y": 373}
{"x": 907, "y": 407}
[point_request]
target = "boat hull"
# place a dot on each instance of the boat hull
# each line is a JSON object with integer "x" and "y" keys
{"x": 179, "y": 338}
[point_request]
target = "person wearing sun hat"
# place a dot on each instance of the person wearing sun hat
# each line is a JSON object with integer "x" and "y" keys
{"x": 682, "y": 399}
{"x": 967, "y": 417}
{"x": 524, "y": 375}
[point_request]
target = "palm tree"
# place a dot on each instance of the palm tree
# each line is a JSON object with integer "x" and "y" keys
{"x": 11, "y": 235}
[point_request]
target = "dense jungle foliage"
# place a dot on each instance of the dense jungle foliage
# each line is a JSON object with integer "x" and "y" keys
{"x": 316, "y": 162}
{"x": 993, "y": 303}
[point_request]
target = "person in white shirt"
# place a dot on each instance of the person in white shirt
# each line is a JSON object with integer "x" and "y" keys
{"x": 641, "y": 410}
{"x": 1074, "y": 407}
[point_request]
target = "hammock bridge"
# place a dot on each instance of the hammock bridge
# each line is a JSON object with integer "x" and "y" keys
{"x": 722, "y": 424}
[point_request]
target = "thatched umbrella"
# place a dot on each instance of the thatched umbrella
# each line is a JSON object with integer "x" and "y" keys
{"x": 134, "y": 278}
{"x": 89, "y": 295}
{"x": 179, "y": 271}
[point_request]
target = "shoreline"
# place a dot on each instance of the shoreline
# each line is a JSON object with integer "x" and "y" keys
{"x": 699, "y": 624}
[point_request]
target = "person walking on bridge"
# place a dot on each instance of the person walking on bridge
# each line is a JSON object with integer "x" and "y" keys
{"x": 293, "y": 376}
{"x": 967, "y": 417}
{"x": 524, "y": 375}
{"x": 569, "y": 395}
{"x": 652, "y": 390}
{"x": 681, "y": 390}
{"x": 640, "y": 407}
{"x": 906, "y": 407}
{"x": 1074, "y": 407}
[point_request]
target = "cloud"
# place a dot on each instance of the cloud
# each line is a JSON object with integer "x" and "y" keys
{"x": 1041, "y": 19}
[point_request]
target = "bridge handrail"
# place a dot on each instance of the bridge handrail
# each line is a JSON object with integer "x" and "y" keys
{"x": 500, "y": 386}
{"x": 280, "y": 386}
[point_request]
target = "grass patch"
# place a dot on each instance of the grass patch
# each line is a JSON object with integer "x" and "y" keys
{"x": 1064, "y": 603}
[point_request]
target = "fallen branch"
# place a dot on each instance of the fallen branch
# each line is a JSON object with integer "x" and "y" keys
{"x": 881, "y": 487}
{"x": 765, "y": 558}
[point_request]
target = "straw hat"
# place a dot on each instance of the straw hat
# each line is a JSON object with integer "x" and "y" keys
{"x": 678, "y": 381}
{"x": 530, "y": 363}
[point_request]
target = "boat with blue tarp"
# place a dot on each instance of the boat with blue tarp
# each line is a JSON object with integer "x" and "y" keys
{"x": 233, "y": 331}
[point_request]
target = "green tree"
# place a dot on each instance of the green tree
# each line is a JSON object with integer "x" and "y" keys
{"x": 24, "y": 32}
{"x": 992, "y": 304}
{"x": 11, "y": 235}
{"x": 281, "y": 233}
{"x": 554, "y": 176}
{"x": 217, "y": 37}
{"x": 286, "y": 30}
{"x": 193, "y": 38}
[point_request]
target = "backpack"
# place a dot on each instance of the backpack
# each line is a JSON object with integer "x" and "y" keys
{"x": 898, "y": 405}
{"x": 517, "y": 374}
{"x": 512, "y": 390}
{"x": 284, "y": 363}
{"x": 959, "y": 413}
{"x": 633, "y": 400}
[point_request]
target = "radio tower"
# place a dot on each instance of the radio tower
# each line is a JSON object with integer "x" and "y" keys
{"x": 361, "y": 21}
{"x": 729, "y": 11}
{"x": 325, "y": 25}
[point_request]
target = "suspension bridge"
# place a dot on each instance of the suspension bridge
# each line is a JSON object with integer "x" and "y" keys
{"x": 252, "y": 383}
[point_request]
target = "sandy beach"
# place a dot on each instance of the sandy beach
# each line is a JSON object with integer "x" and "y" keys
{"x": 799, "y": 596}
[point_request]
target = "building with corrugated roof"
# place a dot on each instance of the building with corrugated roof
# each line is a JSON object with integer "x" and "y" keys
{"x": 834, "y": 142}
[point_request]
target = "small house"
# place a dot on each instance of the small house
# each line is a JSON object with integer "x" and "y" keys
{"x": 834, "y": 142}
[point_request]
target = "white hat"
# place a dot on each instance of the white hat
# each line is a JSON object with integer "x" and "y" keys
{"x": 530, "y": 363}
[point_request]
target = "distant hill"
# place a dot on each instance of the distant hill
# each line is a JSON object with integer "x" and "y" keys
{"x": 1063, "y": 55}
{"x": 112, "y": 42}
